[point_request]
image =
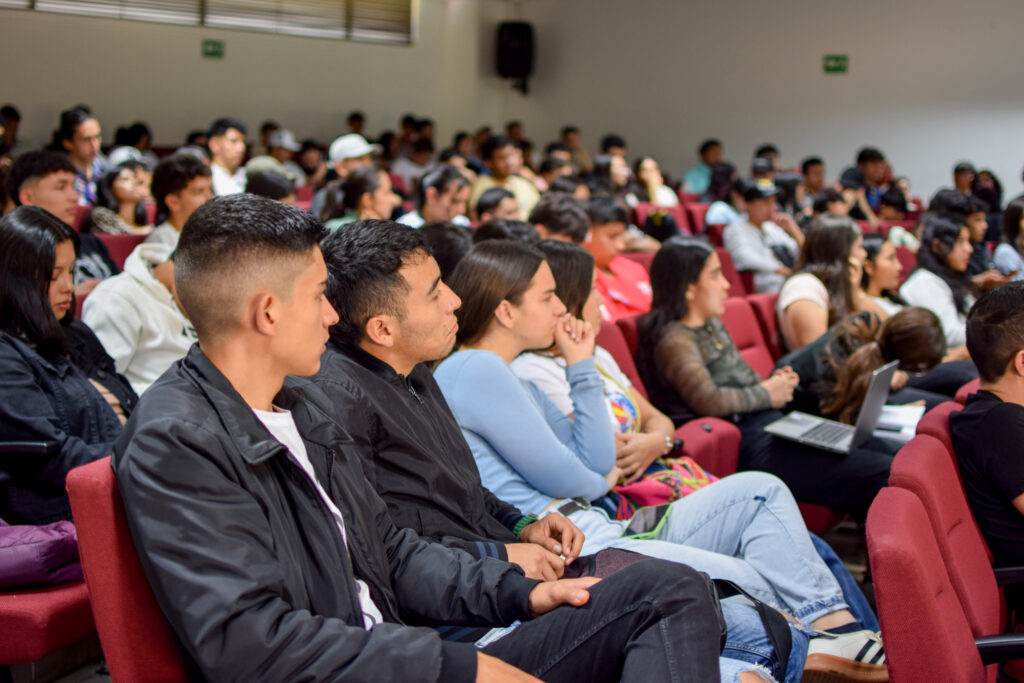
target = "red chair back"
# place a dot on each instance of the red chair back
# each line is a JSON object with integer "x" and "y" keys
{"x": 927, "y": 637}
{"x": 923, "y": 467}
{"x": 737, "y": 287}
{"x": 688, "y": 197}
{"x": 136, "y": 641}
{"x": 742, "y": 326}
{"x": 935, "y": 423}
{"x": 120, "y": 246}
{"x": 644, "y": 209}
{"x": 764, "y": 311}
{"x": 304, "y": 193}
{"x": 714, "y": 231}
{"x": 630, "y": 334}
{"x": 697, "y": 211}
{"x": 644, "y": 258}
{"x": 80, "y": 213}
{"x": 610, "y": 339}
{"x": 908, "y": 260}
{"x": 966, "y": 390}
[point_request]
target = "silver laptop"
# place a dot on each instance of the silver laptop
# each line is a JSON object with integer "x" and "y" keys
{"x": 836, "y": 436}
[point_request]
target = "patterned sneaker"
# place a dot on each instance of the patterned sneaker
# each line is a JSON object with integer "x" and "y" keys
{"x": 847, "y": 657}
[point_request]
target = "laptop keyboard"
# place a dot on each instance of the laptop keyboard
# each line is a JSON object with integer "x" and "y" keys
{"x": 828, "y": 433}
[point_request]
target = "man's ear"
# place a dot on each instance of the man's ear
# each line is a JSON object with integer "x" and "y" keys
{"x": 262, "y": 312}
{"x": 173, "y": 202}
{"x": 25, "y": 196}
{"x": 542, "y": 230}
{"x": 430, "y": 195}
{"x": 1018, "y": 363}
{"x": 381, "y": 330}
{"x": 505, "y": 313}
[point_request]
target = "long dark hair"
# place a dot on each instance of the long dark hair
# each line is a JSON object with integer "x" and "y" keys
{"x": 573, "y": 269}
{"x": 70, "y": 120}
{"x": 1012, "y": 217}
{"x": 860, "y": 345}
{"x": 676, "y": 266}
{"x": 105, "y": 192}
{"x": 494, "y": 271}
{"x": 28, "y": 246}
{"x": 361, "y": 181}
{"x": 826, "y": 255}
{"x": 872, "y": 243}
{"x": 723, "y": 180}
{"x": 937, "y": 240}
{"x": 601, "y": 177}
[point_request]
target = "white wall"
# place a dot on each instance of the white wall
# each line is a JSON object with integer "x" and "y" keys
{"x": 930, "y": 81}
{"x": 130, "y": 70}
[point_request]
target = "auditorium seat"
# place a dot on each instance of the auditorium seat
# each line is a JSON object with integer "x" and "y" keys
{"x": 742, "y": 325}
{"x": 764, "y": 311}
{"x": 737, "y": 286}
{"x": 908, "y": 260}
{"x": 966, "y": 390}
{"x": 644, "y": 258}
{"x": 688, "y": 197}
{"x": 642, "y": 210}
{"x": 80, "y": 213}
{"x": 34, "y": 623}
{"x": 714, "y": 232}
{"x": 136, "y": 641}
{"x": 935, "y": 423}
{"x": 714, "y": 443}
{"x": 696, "y": 212}
{"x": 927, "y": 634}
{"x": 120, "y": 246}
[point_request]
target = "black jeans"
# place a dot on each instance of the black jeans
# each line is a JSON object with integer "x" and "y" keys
{"x": 843, "y": 482}
{"x": 652, "y": 621}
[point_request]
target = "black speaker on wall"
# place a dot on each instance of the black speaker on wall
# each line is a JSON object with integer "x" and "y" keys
{"x": 515, "y": 52}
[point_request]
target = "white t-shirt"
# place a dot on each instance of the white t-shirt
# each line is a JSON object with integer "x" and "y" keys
{"x": 548, "y": 373}
{"x": 799, "y": 287}
{"x": 281, "y": 425}
{"x": 225, "y": 182}
{"x": 414, "y": 220}
{"x": 165, "y": 233}
{"x": 926, "y": 289}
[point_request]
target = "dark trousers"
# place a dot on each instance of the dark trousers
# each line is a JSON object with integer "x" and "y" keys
{"x": 843, "y": 482}
{"x": 651, "y": 621}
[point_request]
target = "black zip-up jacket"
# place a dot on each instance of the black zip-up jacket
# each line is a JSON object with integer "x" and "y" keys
{"x": 418, "y": 459}
{"x": 248, "y": 564}
{"x": 49, "y": 399}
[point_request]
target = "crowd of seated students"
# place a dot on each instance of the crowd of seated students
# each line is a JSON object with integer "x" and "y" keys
{"x": 523, "y": 443}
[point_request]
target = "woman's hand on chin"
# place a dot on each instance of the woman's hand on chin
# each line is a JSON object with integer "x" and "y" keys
{"x": 574, "y": 338}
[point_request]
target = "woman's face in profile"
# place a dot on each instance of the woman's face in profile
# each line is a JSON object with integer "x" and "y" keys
{"x": 960, "y": 255}
{"x": 62, "y": 280}
{"x": 885, "y": 269}
{"x": 706, "y": 297}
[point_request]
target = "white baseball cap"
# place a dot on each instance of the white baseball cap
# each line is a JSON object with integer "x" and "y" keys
{"x": 282, "y": 137}
{"x": 351, "y": 146}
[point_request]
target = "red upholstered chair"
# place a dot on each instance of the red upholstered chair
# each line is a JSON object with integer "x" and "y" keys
{"x": 737, "y": 285}
{"x": 923, "y": 467}
{"x": 696, "y": 212}
{"x": 136, "y": 641}
{"x": 80, "y": 213}
{"x": 120, "y": 246}
{"x": 741, "y": 323}
{"x": 304, "y": 193}
{"x": 927, "y": 635}
{"x": 642, "y": 210}
{"x": 935, "y": 423}
{"x": 712, "y": 442}
{"x": 764, "y": 311}
{"x": 627, "y": 326}
{"x": 644, "y": 258}
{"x": 34, "y": 623}
{"x": 714, "y": 232}
{"x": 150, "y": 213}
{"x": 688, "y": 197}
{"x": 966, "y": 390}
{"x": 908, "y": 260}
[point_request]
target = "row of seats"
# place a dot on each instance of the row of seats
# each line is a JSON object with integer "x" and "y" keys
{"x": 939, "y": 599}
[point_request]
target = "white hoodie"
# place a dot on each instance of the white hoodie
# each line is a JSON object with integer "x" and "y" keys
{"x": 137, "y": 319}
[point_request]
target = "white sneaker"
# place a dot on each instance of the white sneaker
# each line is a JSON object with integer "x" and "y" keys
{"x": 846, "y": 657}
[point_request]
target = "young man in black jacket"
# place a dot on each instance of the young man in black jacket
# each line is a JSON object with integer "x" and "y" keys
{"x": 272, "y": 557}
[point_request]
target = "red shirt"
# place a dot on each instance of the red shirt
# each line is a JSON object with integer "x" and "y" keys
{"x": 626, "y": 292}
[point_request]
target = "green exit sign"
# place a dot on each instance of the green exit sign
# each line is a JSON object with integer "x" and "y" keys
{"x": 213, "y": 49}
{"x": 837, "y": 64}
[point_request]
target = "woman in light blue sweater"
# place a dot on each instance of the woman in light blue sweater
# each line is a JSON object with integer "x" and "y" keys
{"x": 745, "y": 528}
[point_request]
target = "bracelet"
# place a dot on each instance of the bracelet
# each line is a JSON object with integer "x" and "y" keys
{"x": 523, "y": 522}
{"x": 670, "y": 443}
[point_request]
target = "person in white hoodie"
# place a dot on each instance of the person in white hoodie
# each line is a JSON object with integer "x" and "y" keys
{"x": 137, "y": 317}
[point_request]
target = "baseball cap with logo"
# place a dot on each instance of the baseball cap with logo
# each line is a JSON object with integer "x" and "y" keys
{"x": 351, "y": 146}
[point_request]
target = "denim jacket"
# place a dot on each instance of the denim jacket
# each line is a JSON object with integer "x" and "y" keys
{"x": 50, "y": 399}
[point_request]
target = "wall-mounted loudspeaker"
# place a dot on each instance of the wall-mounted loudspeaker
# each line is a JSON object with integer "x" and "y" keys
{"x": 515, "y": 52}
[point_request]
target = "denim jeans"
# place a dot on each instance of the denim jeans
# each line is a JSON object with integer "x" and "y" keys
{"x": 854, "y": 596}
{"x": 745, "y": 528}
{"x": 747, "y": 643}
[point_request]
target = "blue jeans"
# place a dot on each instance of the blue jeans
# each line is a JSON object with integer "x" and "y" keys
{"x": 747, "y": 643}
{"x": 746, "y": 528}
{"x": 854, "y": 596}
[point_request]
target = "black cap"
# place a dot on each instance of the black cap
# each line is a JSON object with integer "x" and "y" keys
{"x": 762, "y": 165}
{"x": 964, "y": 167}
{"x": 756, "y": 190}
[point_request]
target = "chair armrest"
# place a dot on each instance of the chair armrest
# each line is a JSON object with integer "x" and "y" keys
{"x": 29, "y": 448}
{"x": 714, "y": 443}
{"x": 1008, "y": 576}
{"x": 1000, "y": 648}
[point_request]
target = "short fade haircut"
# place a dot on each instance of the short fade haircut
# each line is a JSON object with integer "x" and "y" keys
{"x": 363, "y": 279}
{"x": 269, "y": 184}
{"x": 505, "y": 229}
{"x": 867, "y": 154}
{"x": 33, "y": 166}
{"x": 223, "y": 125}
{"x": 561, "y": 214}
{"x": 995, "y": 330}
{"x": 172, "y": 175}
{"x": 232, "y": 245}
{"x": 490, "y": 199}
{"x": 440, "y": 178}
{"x": 602, "y": 210}
{"x": 493, "y": 144}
